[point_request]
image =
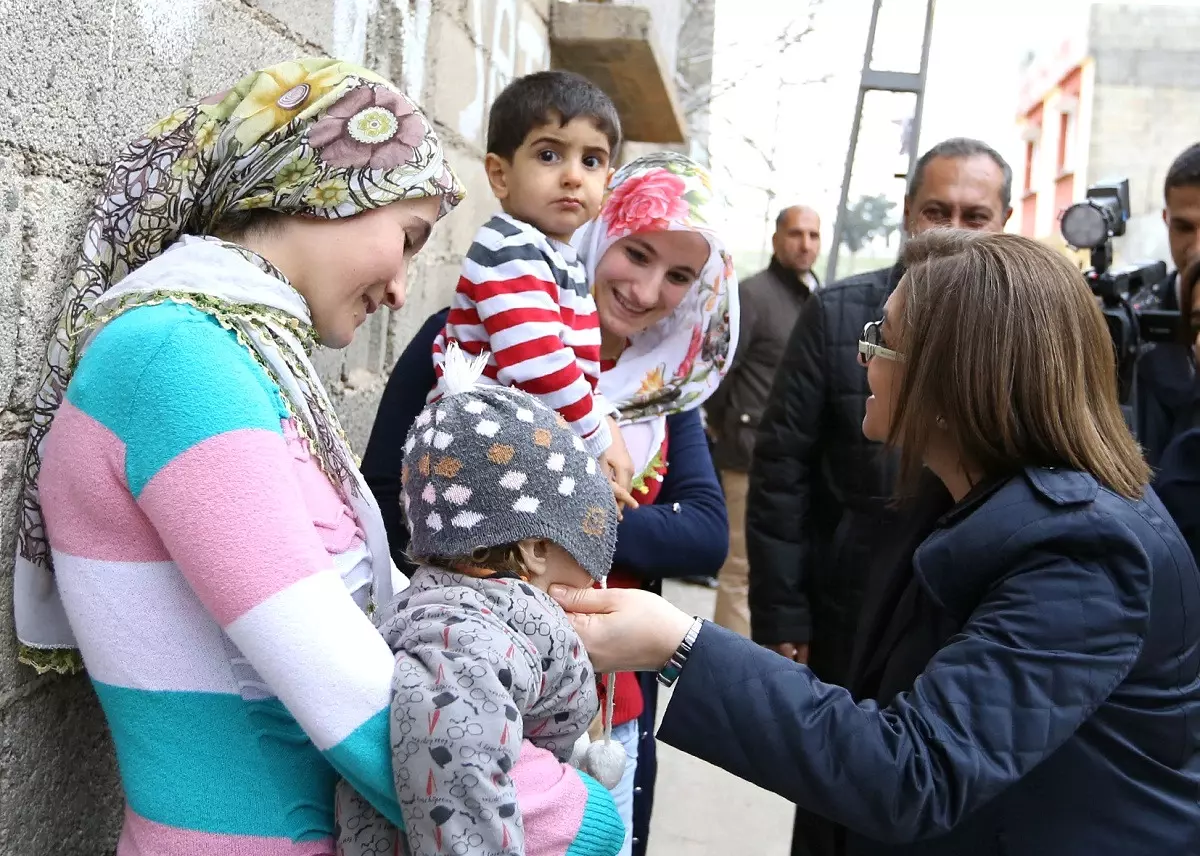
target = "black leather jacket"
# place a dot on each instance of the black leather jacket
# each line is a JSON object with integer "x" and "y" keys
{"x": 819, "y": 491}
{"x": 1167, "y": 387}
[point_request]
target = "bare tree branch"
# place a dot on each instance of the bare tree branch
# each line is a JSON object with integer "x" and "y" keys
{"x": 750, "y": 143}
{"x": 697, "y": 91}
{"x": 696, "y": 99}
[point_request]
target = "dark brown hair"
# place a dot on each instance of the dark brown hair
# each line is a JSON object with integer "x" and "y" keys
{"x": 1184, "y": 170}
{"x": 501, "y": 559}
{"x": 237, "y": 226}
{"x": 544, "y": 98}
{"x": 962, "y": 148}
{"x": 1009, "y": 354}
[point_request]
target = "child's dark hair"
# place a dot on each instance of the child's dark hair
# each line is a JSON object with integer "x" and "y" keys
{"x": 502, "y": 559}
{"x": 544, "y": 97}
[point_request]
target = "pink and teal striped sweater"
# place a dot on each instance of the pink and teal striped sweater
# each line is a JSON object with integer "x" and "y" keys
{"x": 216, "y": 584}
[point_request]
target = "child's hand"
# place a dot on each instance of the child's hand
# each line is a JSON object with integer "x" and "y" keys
{"x": 616, "y": 459}
{"x": 623, "y": 497}
{"x": 618, "y": 466}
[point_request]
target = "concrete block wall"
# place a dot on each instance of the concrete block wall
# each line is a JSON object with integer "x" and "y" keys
{"x": 667, "y": 18}
{"x": 81, "y": 77}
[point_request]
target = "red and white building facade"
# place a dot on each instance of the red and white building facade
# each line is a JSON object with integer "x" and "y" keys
{"x": 1116, "y": 98}
{"x": 1055, "y": 123}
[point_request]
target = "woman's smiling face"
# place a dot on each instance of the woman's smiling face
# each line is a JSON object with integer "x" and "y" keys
{"x": 642, "y": 278}
{"x": 348, "y": 268}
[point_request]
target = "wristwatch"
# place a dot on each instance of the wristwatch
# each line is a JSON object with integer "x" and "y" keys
{"x": 669, "y": 674}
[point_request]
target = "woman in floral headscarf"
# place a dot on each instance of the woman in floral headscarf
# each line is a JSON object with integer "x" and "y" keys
{"x": 666, "y": 296}
{"x": 193, "y": 521}
{"x": 667, "y": 299}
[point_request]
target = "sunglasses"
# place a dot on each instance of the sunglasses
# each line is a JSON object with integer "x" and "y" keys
{"x": 872, "y": 345}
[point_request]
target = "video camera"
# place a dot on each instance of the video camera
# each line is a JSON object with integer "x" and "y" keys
{"x": 1132, "y": 308}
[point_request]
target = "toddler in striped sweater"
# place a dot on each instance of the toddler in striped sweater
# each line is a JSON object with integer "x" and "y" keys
{"x": 523, "y": 297}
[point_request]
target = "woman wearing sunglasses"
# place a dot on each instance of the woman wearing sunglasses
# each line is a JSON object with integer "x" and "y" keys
{"x": 1028, "y": 680}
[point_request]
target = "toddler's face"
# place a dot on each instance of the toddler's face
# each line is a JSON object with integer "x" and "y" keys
{"x": 556, "y": 178}
{"x": 549, "y": 564}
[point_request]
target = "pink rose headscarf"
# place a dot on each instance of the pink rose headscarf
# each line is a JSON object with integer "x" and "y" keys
{"x": 678, "y": 363}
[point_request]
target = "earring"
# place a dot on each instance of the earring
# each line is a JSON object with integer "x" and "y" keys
{"x": 941, "y": 423}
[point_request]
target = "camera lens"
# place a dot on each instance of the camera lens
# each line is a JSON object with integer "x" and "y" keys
{"x": 1084, "y": 225}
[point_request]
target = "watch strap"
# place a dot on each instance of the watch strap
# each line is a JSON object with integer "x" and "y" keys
{"x": 669, "y": 674}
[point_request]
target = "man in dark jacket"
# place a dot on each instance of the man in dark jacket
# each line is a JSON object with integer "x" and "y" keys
{"x": 770, "y": 303}
{"x": 819, "y": 492}
{"x": 1168, "y": 391}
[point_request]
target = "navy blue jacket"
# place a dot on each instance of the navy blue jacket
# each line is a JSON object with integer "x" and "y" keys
{"x": 1168, "y": 389}
{"x": 1178, "y": 485}
{"x": 1060, "y": 715}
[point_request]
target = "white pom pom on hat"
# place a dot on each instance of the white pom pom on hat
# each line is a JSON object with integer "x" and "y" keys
{"x": 460, "y": 374}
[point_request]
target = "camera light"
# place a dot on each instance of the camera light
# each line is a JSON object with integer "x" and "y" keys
{"x": 1085, "y": 225}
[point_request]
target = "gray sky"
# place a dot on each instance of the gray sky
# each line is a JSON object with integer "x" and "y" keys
{"x": 971, "y": 91}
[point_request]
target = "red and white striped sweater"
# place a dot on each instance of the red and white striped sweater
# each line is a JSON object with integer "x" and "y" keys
{"x": 524, "y": 299}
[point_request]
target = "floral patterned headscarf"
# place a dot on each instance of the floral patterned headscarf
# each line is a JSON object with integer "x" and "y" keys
{"x": 675, "y": 365}
{"x": 316, "y": 137}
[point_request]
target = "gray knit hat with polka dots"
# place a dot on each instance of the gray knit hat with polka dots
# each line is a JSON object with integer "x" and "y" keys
{"x": 489, "y": 465}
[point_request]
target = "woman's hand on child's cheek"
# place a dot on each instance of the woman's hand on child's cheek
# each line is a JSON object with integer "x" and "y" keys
{"x": 624, "y": 630}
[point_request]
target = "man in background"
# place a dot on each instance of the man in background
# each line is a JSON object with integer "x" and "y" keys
{"x": 796, "y": 245}
{"x": 1167, "y": 388}
{"x": 770, "y": 303}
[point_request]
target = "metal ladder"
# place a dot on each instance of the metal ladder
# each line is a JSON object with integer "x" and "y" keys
{"x": 881, "y": 81}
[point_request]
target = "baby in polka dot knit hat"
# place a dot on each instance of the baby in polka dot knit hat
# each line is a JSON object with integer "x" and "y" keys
{"x": 503, "y": 500}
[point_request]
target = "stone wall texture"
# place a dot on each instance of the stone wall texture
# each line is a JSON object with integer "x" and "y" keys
{"x": 1143, "y": 113}
{"x": 80, "y": 78}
